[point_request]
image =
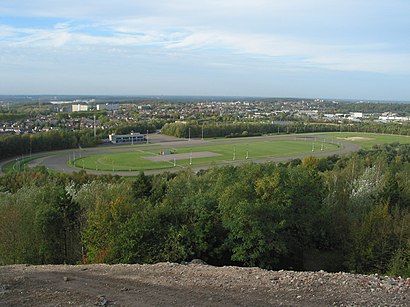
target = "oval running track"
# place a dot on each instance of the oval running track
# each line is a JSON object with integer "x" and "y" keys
{"x": 58, "y": 160}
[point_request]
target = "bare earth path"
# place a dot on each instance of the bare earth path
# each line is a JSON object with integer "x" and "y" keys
{"x": 58, "y": 160}
{"x": 168, "y": 284}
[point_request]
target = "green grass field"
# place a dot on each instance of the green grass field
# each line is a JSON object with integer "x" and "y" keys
{"x": 134, "y": 160}
{"x": 19, "y": 164}
{"x": 366, "y": 140}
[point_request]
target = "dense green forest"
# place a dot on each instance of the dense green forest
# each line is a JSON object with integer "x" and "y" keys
{"x": 337, "y": 213}
{"x": 216, "y": 129}
{"x": 16, "y": 145}
{"x": 140, "y": 127}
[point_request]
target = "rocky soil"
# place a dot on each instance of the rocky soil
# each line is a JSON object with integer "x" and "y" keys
{"x": 194, "y": 284}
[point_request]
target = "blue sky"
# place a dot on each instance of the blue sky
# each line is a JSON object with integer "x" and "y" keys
{"x": 357, "y": 49}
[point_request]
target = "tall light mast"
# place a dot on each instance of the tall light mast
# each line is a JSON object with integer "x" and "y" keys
{"x": 95, "y": 128}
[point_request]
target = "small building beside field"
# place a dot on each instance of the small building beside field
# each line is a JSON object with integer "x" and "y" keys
{"x": 126, "y": 138}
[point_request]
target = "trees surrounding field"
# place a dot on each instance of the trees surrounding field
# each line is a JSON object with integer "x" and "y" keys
{"x": 183, "y": 130}
{"x": 140, "y": 127}
{"x": 337, "y": 213}
{"x": 17, "y": 145}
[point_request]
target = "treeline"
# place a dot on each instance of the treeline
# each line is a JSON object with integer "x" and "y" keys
{"x": 13, "y": 116}
{"x": 367, "y": 107}
{"x": 138, "y": 127}
{"x": 17, "y": 145}
{"x": 209, "y": 130}
{"x": 350, "y": 213}
{"x": 81, "y": 114}
{"x": 184, "y": 130}
{"x": 39, "y": 222}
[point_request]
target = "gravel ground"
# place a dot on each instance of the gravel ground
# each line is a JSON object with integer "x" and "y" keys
{"x": 194, "y": 284}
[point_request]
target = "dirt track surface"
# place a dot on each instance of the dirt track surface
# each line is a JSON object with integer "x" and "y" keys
{"x": 168, "y": 284}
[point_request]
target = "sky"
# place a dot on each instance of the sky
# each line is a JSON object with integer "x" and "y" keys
{"x": 347, "y": 49}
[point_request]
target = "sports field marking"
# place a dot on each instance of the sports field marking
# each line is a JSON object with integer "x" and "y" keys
{"x": 182, "y": 156}
{"x": 367, "y": 140}
{"x": 246, "y": 149}
{"x": 356, "y": 139}
{"x": 203, "y": 154}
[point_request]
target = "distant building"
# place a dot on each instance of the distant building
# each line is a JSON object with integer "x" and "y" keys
{"x": 112, "y": 107}
{"x": 126, "y": 138}
{"x": 79, "y": 108}
{"x": 145, "y": 107}
{"x": 356, "y": 114}
{"x": 65, "y": 109}
{"x": 100, "y": 107}
{"x": 107, "y": 106}
{"x": 311, "y": 113}
{"x": 394, "y": 117}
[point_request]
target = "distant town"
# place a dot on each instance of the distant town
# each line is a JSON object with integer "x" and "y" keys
{"x": 26, "y": 114}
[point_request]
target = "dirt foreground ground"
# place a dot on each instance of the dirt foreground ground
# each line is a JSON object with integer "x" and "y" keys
{"x": 169, "y": 284}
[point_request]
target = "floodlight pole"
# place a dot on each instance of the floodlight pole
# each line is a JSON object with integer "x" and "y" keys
{"x": 95, "y": 128}
{"x": 234, "y": 153}
{"x": 189, "y": 134}
{"x": 202, "y": 132}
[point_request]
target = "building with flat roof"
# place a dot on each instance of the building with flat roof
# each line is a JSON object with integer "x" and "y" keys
{"x": 79, "y": 107}
{"x": 126, "y": 138}
{"x": 107, "y": 106}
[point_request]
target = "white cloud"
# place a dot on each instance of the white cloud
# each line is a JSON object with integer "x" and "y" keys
{"x": 391, "y": 63}
{"x": 6, "y": 31}
{"x": 294, "y": 52}
{"x": 211, "y": 26}
{"x": 363, "y": 58}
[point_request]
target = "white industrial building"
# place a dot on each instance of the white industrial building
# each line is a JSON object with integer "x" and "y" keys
{"x": 126, "y": 138}
{"x": 356, "y": 114}
{"x": 79, "y": 107}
